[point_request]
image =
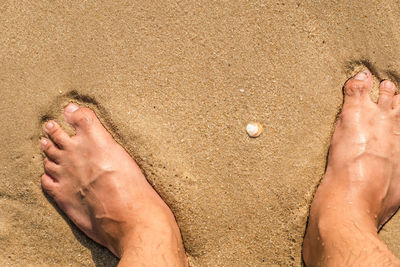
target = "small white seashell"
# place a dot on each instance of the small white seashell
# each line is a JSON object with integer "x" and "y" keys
{"x": 254, "y": 129}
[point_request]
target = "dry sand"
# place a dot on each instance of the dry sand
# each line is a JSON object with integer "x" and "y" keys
{"x": 165, "y": 77}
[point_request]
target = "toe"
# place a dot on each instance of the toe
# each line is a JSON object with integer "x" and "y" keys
{"x": 51, "y": 168}
{"x": 80, "y": 118}
{"x": 396, "y": 101}
{"x": 358, "y": 86}
{"x": 57, "y": 134}
{"x": 387, "y": 89}
{"x": 50, "y": 149}
{"x": 49, "y": 185}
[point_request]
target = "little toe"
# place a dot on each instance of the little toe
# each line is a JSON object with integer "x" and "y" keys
{"x": 80, "y": 117}
{"x": 51, "y": 168}
{"x": 49, "y": 185}
{"x": 50, "y": 149}
{"x": 387, "y": 89}
{"x": 57, "y": 134}
{"x": 358, "y": 86}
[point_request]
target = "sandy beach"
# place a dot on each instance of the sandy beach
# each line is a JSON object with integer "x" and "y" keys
{"x": 176, "y": 83}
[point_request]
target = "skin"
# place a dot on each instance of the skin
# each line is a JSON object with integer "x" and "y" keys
{"x": 361, "y": 187}
{"x": 103, "y": 191}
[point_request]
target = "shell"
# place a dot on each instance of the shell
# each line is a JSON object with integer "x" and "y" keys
{"x": 254, "y": 129}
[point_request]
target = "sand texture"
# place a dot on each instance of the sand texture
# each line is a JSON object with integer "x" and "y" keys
{"x": 176, "y": 82}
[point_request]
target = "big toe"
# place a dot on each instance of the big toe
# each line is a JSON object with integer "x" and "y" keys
{"x": 80, "y": 117}
{"x": 387, "y": 89}
{"x": 358, "y": 86}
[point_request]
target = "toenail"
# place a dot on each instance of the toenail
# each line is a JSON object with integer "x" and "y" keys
{"x": 49, "y": 125}
{"x": 43, "y": 142}
{"x": 71, "y": 108}
{"x": 361, "y": 76}
{"x": 388, "y": 84}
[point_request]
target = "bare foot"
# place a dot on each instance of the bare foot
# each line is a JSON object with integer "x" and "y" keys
{"x": 361, "y": 187}
{"x": 103, "y": 191}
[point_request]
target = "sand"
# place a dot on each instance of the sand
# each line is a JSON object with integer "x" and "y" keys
{"x": 166, "y": 78}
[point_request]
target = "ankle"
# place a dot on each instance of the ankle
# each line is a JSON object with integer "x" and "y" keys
{"x": 333, "y": 219}
{"x": 152, "y": 226}
{"x": 335, "y": 200}
{"x": 328, "y": 230}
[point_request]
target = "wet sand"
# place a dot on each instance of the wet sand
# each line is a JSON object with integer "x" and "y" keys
{"x": 176, "y": 84}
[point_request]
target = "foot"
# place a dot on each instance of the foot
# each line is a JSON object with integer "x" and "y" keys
{"x": 103, "y": 191}
{"x": 361, "y": 187}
